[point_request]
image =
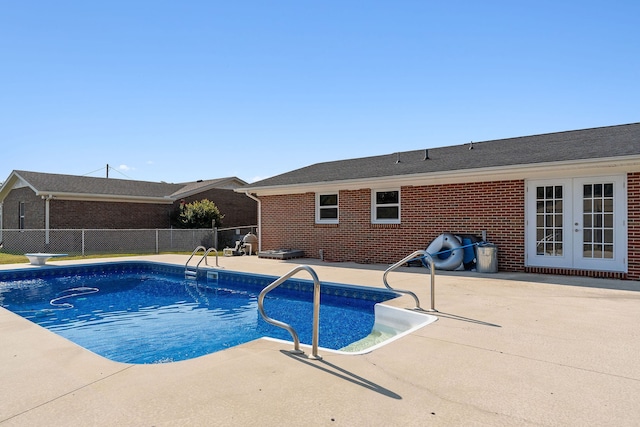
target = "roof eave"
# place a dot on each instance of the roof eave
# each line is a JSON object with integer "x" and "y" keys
{"x": 105, "y": 198}
{"x": 220, "y": 184}
{"x": 599, "y": 166}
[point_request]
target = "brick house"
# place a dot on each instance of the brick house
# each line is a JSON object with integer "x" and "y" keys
{"x": 560, "y": 203}
{"x": 34, "y": 200}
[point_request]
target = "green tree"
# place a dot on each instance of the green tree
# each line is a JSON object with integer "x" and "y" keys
{"x": 198, "y": 214}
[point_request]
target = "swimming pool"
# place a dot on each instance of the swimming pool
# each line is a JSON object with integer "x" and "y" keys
{"x": 144, "y": 312}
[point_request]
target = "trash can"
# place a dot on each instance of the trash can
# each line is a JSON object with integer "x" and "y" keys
{"x": 487, "y": 258}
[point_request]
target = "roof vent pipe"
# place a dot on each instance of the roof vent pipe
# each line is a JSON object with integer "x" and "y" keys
{"x": 397, "y": 158}
{"x": 426, "y": 155}
{"x": 471, "y": 145}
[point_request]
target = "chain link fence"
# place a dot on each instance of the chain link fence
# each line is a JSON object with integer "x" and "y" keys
{"x": 110, "y": 241}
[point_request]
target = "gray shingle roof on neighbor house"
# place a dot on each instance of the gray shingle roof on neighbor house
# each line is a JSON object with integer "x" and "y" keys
{"x": 200, "y": 185}
{"x": 71, "y": 184}
{"x": 595, "y": 143}
{"x": 84, "y": 186}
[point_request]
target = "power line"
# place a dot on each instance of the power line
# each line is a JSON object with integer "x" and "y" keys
{"x": 97, "y": 170}
{"x": 108, "y": 168}
{"x": 120, "y": 172}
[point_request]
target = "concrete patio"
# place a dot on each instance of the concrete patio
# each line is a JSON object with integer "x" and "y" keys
{"x": 507, "y": 349}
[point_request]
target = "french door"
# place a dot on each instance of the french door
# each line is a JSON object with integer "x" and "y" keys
{"x": 577, "y": 223}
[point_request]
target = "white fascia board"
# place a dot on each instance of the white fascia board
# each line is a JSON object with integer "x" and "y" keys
{"x": 12, "y": 182}
{"x": 574, "y": 168}
{"x": 105, "y": 198}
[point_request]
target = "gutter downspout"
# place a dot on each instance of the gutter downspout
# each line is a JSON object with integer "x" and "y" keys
{"x": 251, "y": 196}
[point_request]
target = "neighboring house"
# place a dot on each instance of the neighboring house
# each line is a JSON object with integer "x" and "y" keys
{"x": 563, "y": 203}
{"x": 34, "y": 200}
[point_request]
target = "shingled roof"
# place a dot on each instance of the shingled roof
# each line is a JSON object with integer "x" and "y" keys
{"x": 191, "y": 188}
{"x": 586, "y": 144}
{"x": 84, "y": 187}
{"x": 57, "y": 183}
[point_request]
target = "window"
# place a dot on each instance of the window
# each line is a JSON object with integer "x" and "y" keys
{"x": 327, "y": 208}
{"x": 385, "y": 206}
{"x": 21, "y": 216}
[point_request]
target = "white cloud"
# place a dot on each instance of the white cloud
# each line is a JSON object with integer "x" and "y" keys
{"x": 126, "y": 168}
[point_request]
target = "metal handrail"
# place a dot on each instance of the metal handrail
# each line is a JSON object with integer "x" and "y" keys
{"x": 416, "y": 254}
{"x": 204, "y": 257}
{"x": 289, "y": 328}
{"x": 192, "y": 254}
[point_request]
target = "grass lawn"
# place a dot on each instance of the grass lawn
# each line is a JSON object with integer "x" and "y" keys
{"x": 12, "y": 259}
{"x": 21, "y": 259}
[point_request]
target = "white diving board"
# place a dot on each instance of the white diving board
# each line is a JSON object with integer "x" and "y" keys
{"x": 42, "y": 258}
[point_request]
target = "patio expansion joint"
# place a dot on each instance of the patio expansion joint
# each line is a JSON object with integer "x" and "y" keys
{"x": 70, "y": 392}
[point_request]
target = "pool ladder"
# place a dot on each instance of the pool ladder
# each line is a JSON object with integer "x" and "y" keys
{"x": 415, "y": 255}
{"x": 190, "y": 271}
{"x": 316, "y": 310}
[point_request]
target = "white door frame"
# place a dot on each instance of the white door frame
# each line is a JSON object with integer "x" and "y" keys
{"x": 570, "y": 232}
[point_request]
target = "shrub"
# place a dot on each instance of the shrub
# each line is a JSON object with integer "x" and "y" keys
{"x": 199, "y": 214}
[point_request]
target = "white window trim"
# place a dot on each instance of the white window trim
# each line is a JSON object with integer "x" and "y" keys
{"x": 374, "y": 219}
{"x": 336, "y": 206}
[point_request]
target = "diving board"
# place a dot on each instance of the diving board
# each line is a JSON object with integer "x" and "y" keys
{"x": 42, "y": 258}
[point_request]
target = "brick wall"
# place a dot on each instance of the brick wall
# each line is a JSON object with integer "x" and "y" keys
{"x": 238, "y": 210}
{"x": 111, "y": 215}
{"x": 33, "y": 207}
{"x": 427, "y": 211}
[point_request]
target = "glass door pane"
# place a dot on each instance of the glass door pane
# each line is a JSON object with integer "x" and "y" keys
{"x": 549, "y": 220}
{"x": 598, "y": 220}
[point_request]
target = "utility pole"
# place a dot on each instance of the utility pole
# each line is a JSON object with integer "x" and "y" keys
{"x": 107, "y": 170}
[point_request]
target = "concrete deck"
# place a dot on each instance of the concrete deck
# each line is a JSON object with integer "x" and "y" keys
{"x": 508, "y": 349}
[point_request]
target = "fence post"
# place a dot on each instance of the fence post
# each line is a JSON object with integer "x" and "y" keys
{"x": 83, "y": 242}
{"x": 157, "y": 246}
{"x": 215, "y": 237}
{"x": 46, "y": 219}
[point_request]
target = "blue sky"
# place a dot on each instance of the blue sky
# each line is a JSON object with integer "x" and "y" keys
{"x": 179, "y": 91}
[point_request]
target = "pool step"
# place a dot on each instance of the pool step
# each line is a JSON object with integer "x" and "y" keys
{"x": 190, "y": 273}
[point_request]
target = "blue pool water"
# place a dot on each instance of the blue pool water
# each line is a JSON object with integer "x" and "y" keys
{"x": 140, "y": 312}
